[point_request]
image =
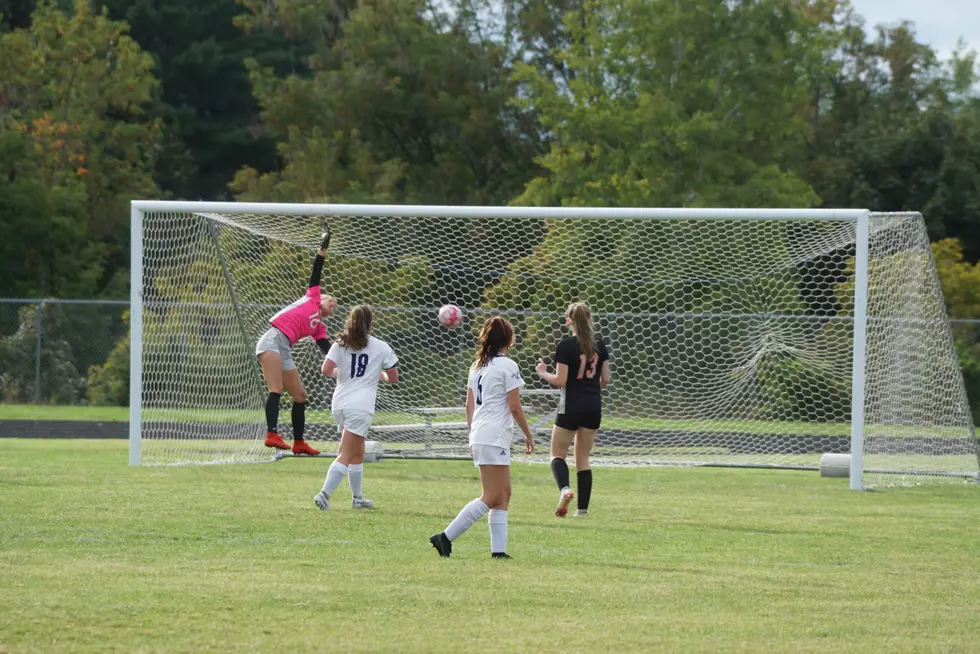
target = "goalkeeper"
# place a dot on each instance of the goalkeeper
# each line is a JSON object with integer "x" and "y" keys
{"x": 302, "y": 318}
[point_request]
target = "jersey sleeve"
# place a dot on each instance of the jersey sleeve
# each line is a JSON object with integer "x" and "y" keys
{"x": 334, "y": 354}
{"x": 605, "y": 354}
{"x": 513, "y": 378}
{"x": 319, "y": 332}
{"x": 313, "y": 293}
{"x": 390, "y": 359}
{"x": 565, "y": 354}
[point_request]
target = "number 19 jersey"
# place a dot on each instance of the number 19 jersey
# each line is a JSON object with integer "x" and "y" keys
{"x": 493, "y": 423}
{"x": 358, "y": 374}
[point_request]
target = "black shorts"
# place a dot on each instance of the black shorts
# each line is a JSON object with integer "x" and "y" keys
{"x": 583, "y": 419}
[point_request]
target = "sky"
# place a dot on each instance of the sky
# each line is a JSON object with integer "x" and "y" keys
{"x": 938, "y": 23}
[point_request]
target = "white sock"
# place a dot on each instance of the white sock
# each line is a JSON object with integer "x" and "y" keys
{"x": 470, "y": 514}
{"x": 355, "y": 475}
{"x": 498, "y": 530}
{"x": 335, "y": 475}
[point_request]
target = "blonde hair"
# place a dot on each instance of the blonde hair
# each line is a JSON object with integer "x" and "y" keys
{"x": 581, "y": 317}
{"x": 358, "y": 326}
{"x": 497, "y": 333}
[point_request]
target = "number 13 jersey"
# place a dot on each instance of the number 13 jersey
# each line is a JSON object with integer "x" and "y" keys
{"x": 358, "y": 374}
{"x": 581, "y": 392}
{"x": 493, "y": 423}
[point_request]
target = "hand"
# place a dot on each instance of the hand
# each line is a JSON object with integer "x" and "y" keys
{"x": 542, "y": 367}
{"x": 325, "y": 237}
{"x": 529, "y": 444}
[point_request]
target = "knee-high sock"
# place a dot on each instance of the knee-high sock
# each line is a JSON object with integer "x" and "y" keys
{"x": 335, "y": 475}
{"x": 355, "y": 475}
{"x": 584, "y": 488}
{"x": 560, "y": 471}
{"x": 299, "y": 420}
{"x": 470, "y": 514}
{"x": 272, "y": 412}
{"x": 498, "y": 530}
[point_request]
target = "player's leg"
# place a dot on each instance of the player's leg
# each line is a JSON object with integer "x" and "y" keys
{"x": 472, "y": 512}
{"x": 561, "y": 438}
{"x": 271, "y": 364}
{"x": 351, "y": 454}
{"x": 584, "y": 442}
{"x": 293, "y": 384}
{"x": 496, "y": 495}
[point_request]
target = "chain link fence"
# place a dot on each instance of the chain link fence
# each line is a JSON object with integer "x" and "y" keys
{"x": 68, "y": 352}
{"x": 76, "y": 352}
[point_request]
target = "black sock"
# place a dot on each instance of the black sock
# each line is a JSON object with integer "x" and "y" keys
{"x": 272, "y": 412}
{"x": 299, "y": 420}
{"x": 560, "y": 470}
{"x": 584, "y": 489}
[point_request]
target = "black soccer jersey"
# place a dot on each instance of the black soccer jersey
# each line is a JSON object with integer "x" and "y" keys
{"x": 582, "y": 391}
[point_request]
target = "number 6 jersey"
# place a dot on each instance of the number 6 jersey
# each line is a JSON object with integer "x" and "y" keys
{"x": 581, "y": 392}
{"x": 358, "y": 374}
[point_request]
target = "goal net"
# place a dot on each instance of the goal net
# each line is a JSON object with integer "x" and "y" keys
{"x": 733, "y": 332}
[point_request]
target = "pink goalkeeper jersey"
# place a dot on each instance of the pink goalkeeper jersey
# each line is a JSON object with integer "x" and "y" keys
{"x": 301, "y": 318}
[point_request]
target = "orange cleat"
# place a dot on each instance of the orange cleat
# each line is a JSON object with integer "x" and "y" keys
{"x": 272, "y": 439}
{"x": 300, "y": 447}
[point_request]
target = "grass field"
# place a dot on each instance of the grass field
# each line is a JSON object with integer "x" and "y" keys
{"x": 99, "y": 556}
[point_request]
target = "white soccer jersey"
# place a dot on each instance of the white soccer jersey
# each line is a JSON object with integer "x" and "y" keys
{"x": 358, "y": 373}
{"x": 492, "y": 422}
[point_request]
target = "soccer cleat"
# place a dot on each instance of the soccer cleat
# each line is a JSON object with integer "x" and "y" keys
{"x": 300, "y": 447}
{"x": 581, "y": 513}
{"x": 322, "y": 501}
{"x": 272, "y": 439}
{"x": 361, "y": 503}
{"x": 563, "y": 501}
{"x": 500, "y": 555}
{"x": 442, "y": 544}
{"x": 325, "y": 237}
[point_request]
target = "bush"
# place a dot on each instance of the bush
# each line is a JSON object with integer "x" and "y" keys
{"x": 108, "y": 383}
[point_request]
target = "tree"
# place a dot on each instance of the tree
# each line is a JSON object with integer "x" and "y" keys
{"x": 680, "y": 103}
{"x": 209, "y": 116}
{"x": 400, "y": 105}
{"x": 73, "y": 93}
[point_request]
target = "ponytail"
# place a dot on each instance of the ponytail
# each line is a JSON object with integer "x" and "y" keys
{"x": 359, "y": 322}
{"x": 578, "y": 313}
{"x": 497, "y": 334}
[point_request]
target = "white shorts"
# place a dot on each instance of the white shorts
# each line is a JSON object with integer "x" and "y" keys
{"x": 354, "y": 421}
{"x": 490, "y": 455}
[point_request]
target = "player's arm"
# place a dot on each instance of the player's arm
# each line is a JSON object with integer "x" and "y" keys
{"x": 557, "y": 378}
{"x": 324, "y": 344}
{"x": 605, "y": 376}
{"x": 390, "y": 375}
{"x": 517, "y": 410}
{"x": 329, "y": 367}
{"x": 469, "y": 408}
{"x": 317, "y": 274}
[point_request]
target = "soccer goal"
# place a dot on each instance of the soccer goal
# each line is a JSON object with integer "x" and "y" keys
{"x": 739, "y": 337}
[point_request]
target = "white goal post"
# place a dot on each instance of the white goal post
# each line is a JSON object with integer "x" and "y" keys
{"x": 739, "y": 337}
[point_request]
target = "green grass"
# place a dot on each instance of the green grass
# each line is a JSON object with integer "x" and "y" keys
{"x": 96, "y": 556}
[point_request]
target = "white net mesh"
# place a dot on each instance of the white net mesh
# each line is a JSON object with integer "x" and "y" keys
{"x": 731, "y": 339}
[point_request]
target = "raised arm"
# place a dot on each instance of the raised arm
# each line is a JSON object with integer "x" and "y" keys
{"x": 317, "y": 274}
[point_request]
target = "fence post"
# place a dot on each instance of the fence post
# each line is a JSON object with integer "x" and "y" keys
{"x": 37, "y": 354}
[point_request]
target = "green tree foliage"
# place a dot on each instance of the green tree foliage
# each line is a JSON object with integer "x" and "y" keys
{"x": 209, "y": 114}
{"x": 400, "y": 105}
{"x": 684, "y": 103}
{"x": 896, "y": 129}
{"x": 960, "y": 281}
{"x": 73, "y": 89}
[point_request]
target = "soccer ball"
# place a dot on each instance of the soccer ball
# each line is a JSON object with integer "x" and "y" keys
{"x": 450, "y": 316}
